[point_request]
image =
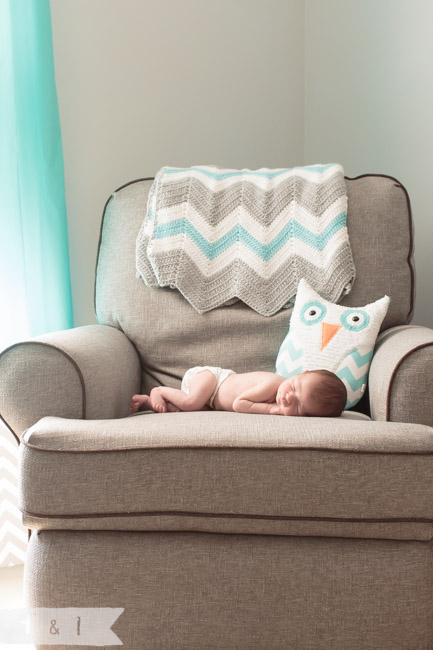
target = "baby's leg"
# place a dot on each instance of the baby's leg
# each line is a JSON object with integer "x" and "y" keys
{"x": 201, "y": 388}
{"x": 171, "y": 408}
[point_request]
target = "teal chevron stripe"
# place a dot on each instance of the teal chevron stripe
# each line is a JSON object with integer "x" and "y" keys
{"x": 346, "y": 375}
{"x": 266, "y": 174}
{"x": 266, "y": 251}
{"x": 281, "y": 370}
{"x": 355, "y": 384}
{"x": 319, "y": 241}
{"x": 294, "y": 353}
{"x": 361, "y": 359}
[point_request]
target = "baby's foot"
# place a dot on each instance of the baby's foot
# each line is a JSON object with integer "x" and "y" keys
{"x": 139, "y": 401}
{"x": 157, "y": 401}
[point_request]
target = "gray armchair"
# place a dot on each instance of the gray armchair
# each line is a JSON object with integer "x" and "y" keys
{"x": 224, "y": 531}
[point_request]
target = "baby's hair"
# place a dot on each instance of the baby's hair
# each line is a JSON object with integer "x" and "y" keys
{"x": 330, "y": 394}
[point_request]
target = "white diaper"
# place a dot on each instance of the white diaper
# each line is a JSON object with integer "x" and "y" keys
{"x": 220, "y": 373}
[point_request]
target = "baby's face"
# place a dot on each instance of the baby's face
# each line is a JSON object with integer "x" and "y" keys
{"x": 294, "y": 395}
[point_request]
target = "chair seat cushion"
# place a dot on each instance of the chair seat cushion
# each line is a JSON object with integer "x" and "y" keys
{"x": 230, "y": 472}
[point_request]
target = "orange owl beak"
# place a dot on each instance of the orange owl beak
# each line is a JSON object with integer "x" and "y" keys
{"x": 328, "y": 332}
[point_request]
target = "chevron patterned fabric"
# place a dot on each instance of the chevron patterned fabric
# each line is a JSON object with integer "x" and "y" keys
{"x": 223, "y": 234}
{"x": 13, "y": 535}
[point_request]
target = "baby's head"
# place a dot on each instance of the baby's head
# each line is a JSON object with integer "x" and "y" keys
{"x": 317, "y": 393}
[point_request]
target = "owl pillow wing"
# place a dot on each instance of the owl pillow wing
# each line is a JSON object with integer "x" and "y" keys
{"x": 339, "y": 339}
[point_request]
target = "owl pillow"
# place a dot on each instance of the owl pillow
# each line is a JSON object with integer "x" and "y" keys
{"x": 337, "y": 338}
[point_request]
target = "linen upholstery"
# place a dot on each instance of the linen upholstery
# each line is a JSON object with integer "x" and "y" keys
{"x": 87, "y": 372}
{"x": 401, "y": 376}
{"x": 243, "y": 466}
{"x": 189, "y": 591}
{"x": 234, "y": 336}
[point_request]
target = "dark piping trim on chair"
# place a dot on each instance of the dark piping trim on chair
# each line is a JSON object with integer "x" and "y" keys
{"x": 139, "y": 180}
{"x": 411, "y": 238}
{"x": 65, "y": 354}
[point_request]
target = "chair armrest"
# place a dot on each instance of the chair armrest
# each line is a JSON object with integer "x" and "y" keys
{"x": 401, "y": 376}
{"x": 87, "y": 372}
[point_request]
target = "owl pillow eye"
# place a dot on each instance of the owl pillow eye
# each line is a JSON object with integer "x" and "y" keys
{"x": 313, "y": 312}
{"x": 355, "y": 319}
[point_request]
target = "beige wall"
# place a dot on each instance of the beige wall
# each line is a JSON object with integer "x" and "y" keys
{"x": 142, "y": 84}
{"x": 369, "y": 103}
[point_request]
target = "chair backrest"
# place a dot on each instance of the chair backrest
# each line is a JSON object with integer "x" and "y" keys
{"x": 171, "y": 336}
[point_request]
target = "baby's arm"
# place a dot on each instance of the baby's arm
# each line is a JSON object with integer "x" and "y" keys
{"x": 258, "y": 399}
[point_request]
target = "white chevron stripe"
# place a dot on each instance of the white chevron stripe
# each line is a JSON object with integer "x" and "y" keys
{"x": 13, "y": 530}
{"x": 9, "y": 509}
{"x": 265, "y": 269}
{"x": 7, "y": 486}
{"x": 175, "y": 212}
{"x": 18, "y": 550}
{"x": 9, "y": 468}
{"x": 10, "y": 504}
{"x": 11, "y": 559}
{"x": 13, "y": 535}
{"x": 7, "y": 460}
{"x": 11, "y": 513}
{"x": 8, "y": 442}
{"x": 11, "y": 554}
{"x": 241, "y": 215}
{"x": 261, "y": 181}
{"x": 13, "y": 539}
{"x": 352, "y": 395}
{"x": 289, "y": 364}
{"x": 8, "y": 464}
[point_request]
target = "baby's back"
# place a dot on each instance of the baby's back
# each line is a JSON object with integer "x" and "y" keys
{"x": 236, "y": 384}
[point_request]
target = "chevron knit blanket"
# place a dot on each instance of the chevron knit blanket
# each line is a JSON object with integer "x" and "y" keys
{"x": 223, "y": 234}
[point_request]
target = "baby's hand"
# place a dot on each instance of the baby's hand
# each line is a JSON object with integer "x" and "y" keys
{"x": 281, "y": 394}
{"x": 284, "y": 406}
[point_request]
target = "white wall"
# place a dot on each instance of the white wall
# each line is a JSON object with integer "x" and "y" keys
{"x": 369, "y": 103}
{"x": 142, "y": 84}
{"x": 242, "y": 83}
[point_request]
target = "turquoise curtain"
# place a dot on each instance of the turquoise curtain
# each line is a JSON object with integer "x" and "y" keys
{"x": 35, "y": 291}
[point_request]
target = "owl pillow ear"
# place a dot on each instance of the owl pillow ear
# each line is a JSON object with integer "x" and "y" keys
{"x": 336, "y": 338}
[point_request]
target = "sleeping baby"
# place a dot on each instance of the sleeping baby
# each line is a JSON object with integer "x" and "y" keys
{"x": 317, "y": 393}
